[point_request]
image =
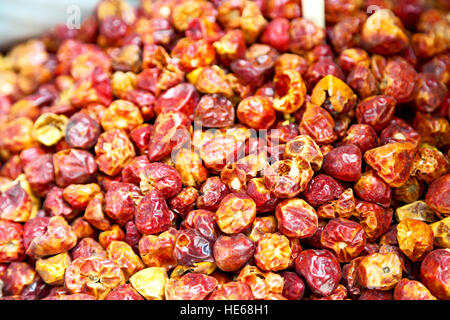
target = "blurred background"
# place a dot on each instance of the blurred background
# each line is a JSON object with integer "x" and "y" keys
{"x": 23, "y": 19}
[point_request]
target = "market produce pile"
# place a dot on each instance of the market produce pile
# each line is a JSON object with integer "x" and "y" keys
{"x": 229, "y": 150}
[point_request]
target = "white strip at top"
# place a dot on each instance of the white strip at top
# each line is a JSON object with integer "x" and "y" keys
{"x": 314, "y": 10}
